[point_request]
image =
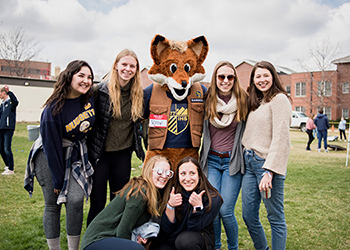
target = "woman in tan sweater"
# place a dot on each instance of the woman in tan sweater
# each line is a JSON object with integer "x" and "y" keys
{"x": 266, "y": 144}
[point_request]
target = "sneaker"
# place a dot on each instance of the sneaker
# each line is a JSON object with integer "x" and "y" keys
{"x": 319, "y": 150}
{"x": 307, "y": 148}
{"x": 8, "y": 172}
{"x": 326, "y": 151}
{"x": 6, "y": 168}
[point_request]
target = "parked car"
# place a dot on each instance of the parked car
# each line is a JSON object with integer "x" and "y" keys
{"x": 299, "y": 120}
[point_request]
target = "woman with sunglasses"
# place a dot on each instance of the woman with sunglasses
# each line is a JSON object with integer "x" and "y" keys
{"x": 140, "y": 198}
{"x": 266, "y": 144}
{"x": 222, "y": 153}
{"x": 192, "y": 206}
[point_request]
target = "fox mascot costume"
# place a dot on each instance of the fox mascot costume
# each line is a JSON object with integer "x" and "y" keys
{"x": 174, "y": 103}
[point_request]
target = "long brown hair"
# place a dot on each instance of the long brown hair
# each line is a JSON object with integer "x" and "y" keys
{"x": 136, "y": 94}
{"x": 255, "y": 95}
{"x": 144, "y": 186}
{"x": 62, "y": 87}
{"x": 237, "y": 90}
{"x": 203, "y": 184}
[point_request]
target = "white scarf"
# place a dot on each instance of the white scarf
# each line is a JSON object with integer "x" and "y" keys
{"x": 228, "y": 110}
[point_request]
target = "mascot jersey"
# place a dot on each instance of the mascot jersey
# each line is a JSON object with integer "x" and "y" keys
{"x": 178, "y": 122}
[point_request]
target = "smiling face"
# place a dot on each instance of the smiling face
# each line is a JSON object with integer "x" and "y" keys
{"x": 81, "y": 82}
{"x": 225, "y": 77}
{"x": 263, "y": 80}
{"x": 188, "y": 176}
{"x": 159, "y": 176}
{"x": 126, "y": 68}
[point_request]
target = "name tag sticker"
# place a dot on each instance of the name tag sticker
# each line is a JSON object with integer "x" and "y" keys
{"x": 158, "y": 121}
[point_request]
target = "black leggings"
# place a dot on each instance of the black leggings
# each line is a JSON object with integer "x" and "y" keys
{"x": 311, "y": 138}
{"x": 187, "y": 240}
{"x": 114, "y": 167}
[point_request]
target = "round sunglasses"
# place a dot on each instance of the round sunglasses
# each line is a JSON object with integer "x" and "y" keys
{"x": 160, "y": 172}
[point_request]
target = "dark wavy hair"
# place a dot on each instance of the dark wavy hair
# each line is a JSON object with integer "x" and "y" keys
{"x": 255, "y": 95}
{"x": 62, "y": 87}
{"x": 203, "y": 184}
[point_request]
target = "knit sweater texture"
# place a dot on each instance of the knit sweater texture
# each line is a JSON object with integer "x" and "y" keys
{"x": 267, "y": 133}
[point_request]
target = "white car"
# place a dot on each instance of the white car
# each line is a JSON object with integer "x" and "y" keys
{"x": 299, "y": 120}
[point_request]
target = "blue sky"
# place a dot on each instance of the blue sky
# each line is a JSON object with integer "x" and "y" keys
{"x": 282, "y": 32}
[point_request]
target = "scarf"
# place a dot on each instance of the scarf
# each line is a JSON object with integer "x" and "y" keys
{"x": 228, "y": 110}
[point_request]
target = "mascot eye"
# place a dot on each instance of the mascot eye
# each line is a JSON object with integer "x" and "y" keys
{"x": 173, "y": 68}
{"x": 187, "y": 67}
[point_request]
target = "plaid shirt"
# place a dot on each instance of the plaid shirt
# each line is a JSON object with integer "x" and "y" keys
{"x": 81, "y": 170}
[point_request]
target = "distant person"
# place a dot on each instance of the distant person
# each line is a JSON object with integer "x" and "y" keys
{"x": 322, "y": 123}
{"x": 310, "y": 126}
{"x": 7, "y": 127}
{"x": 342, "y": 128}
{"x": 62, "y": 167}
{"x": 266, "y": 142}
{"x": 115, "y": 135}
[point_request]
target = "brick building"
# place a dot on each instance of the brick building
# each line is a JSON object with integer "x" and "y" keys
{"x": 29, "y": 69}
{"x": 312, "y": 90}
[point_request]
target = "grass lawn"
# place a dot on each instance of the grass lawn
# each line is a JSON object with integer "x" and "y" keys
{"x": 317, "y": 200}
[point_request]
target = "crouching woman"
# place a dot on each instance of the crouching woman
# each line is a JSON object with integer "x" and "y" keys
{"x": 192, "y": 206}
{"x": 132, "y": 207}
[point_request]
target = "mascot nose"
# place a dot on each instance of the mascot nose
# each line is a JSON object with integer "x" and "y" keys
{"x": 184, "y": 84}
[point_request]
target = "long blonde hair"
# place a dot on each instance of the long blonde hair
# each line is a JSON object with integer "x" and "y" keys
{"x": 237, "y": 90}
{"x": 136, "y": 94}
{"x": 144, "y": 186}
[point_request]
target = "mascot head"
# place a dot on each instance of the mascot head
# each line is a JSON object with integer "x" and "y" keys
{"x": 177, "y": 65}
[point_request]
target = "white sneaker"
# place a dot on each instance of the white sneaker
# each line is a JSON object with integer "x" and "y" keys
{"x": 8, "y": 172}
{"x": 326, "y": 151}
{"x": 6, "y": 168}
{"x": 319, "y": 150}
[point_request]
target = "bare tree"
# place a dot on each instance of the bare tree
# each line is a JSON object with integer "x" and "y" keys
{"x": 322, "y": 55}
{"x": 17, "y": 50}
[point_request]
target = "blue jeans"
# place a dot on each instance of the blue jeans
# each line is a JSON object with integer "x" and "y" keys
{"x": 322, "y": 134}
{"x": 5, "y": 147}
{"x": 229, "y": 187}
{"x": 251, "y": 199}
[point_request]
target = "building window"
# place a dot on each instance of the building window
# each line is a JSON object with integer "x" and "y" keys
{"x": 345, "y": 88}
{"x": 288, "y": 90}
{"x": 300, "y": 89}
{"x": 300, "y": 109}
{"x": 345, "y": 113}
{"x": 324, "y": 88}
{"x": 328, "y": 112}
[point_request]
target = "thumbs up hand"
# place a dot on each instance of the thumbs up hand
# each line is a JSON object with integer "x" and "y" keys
{"x": 175, "y": 200}
{"x": 196, "y": 199}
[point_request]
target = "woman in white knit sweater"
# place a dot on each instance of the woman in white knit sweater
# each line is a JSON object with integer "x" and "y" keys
{"x": 266, "y": 144}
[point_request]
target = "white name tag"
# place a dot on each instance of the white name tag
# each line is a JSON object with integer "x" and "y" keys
{"x": 158, "y": 121}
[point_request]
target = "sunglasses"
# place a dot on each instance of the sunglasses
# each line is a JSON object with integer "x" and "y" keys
{"x": 160, "y": 172}
{"x": 229, "y": 77}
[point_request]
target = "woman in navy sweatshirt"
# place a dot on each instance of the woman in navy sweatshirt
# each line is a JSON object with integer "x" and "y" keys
{"x": 64, "y": 172}
{"x": 192, "y": 206}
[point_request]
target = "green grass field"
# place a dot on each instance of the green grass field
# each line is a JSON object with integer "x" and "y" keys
{"x": 317, "y": 200}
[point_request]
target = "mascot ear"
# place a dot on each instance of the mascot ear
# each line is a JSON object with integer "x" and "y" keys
{"x": 200, "y": 46}
{"x": 159, "y": 43}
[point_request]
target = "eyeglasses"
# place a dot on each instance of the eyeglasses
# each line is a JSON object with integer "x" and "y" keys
{"x": 229, "y": 77}
{"x": 168, "y": 173}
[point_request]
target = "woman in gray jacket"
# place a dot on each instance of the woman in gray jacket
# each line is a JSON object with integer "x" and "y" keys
{"x": 222, "y": 153}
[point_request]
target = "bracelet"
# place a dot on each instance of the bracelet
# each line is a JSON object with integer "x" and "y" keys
{"x": 266, "y": 172}
{"x": 170, "y": 207}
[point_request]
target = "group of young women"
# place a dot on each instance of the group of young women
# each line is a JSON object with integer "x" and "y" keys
{"x": 245, "y": 145}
